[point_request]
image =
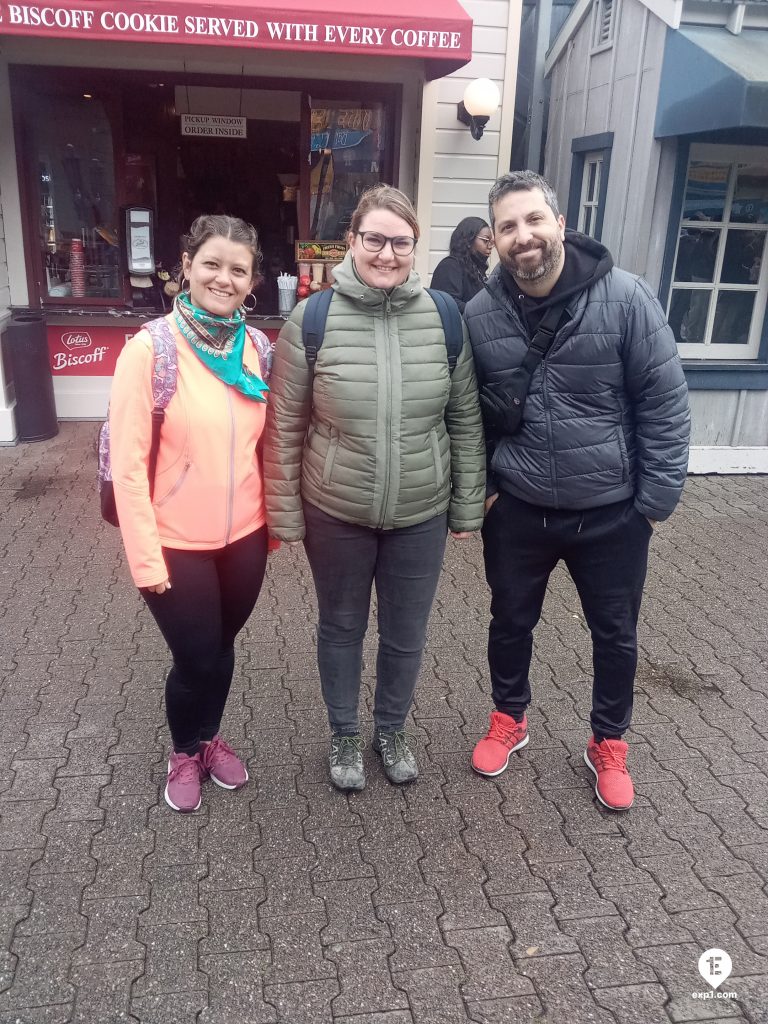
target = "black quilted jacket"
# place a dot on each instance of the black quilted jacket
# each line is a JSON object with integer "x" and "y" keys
{"x": 607, "y": 416}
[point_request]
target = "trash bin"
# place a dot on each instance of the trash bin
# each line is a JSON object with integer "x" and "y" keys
{"x": 27, "y": 346}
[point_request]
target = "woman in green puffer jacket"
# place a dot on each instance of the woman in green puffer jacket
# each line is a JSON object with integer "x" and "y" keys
{"x": 370, "y": 460}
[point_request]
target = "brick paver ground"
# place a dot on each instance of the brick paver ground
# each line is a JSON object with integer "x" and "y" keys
{"x": 458, "y": 899}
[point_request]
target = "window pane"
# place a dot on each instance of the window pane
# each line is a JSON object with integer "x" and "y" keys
{"x": 733, "y": 318}
{"x": 696, "y": 254}
{"x": 743, "y": 257}
{"x": 750, "y": 201}
{"x": 705, "y": 191}
{"x": 72, "y": 145}
{"x": 688, "y": 314}
{"x": 348, "y": 155}
{"x": 587, "y": 217}
{"x": 591, "y": 181}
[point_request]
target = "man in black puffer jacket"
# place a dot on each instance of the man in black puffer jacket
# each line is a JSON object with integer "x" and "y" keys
{"x": 599, "y": 458}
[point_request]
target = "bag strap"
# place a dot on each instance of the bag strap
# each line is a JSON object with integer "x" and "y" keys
{"x": 542, "y": 340}
{"x": 313, "y": 324}
{"x": 164, "y": 374}
{"x": 450, "y": 318}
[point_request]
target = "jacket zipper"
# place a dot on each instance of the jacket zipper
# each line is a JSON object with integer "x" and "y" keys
{"x": 231, "y": 478}
{"x": 176, "y": 486}
{"x": 330, "y": 457}
{"x": 548, "y": 415}
{"x": 388, "y": 447}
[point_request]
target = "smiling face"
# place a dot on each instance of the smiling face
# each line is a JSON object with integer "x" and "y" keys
{"x": 384, "y": 269}
{"x": 220, "y": 275}
{"x": 529, "y": 239}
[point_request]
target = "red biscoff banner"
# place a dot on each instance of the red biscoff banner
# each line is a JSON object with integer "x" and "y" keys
{"x": 439, "y": 31}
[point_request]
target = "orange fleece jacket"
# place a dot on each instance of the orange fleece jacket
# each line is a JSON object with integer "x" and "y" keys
{"x": 208, "y": 487}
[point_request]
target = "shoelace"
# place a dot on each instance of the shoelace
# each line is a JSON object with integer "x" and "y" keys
{"x": 347, "y": 748}
{"x": 187, "y": 770}
{"x": 610, "y": 756}
{"x": 398, "y": 748}
{"x": 217, "y": 750}
{"x": 499, "y": 730}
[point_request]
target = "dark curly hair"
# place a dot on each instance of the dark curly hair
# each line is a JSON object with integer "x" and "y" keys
{"x": 222, "y": 226}
{"x": 461, "y": 247}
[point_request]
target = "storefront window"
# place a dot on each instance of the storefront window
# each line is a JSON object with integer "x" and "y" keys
{"x": 347, "y": 150}
{"x": 71, "y": 143}
{"x": 720, "y": 280}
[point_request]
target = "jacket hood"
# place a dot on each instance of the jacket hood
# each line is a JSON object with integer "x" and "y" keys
{"x": 586, "y": 261}
{"x": 348, "y": 282}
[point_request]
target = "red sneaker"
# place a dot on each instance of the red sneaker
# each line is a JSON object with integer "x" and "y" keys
{"x": 222, "y": 764}
{"x": 608, "y": 762}
{"x": 182, "y": 791}
{"x": 505, "y": 736}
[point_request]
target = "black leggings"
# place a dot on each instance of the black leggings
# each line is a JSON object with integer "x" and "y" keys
{"x": 212, "y": 594}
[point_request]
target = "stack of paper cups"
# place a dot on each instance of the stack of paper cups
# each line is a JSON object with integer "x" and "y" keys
{"x": 77, "y": 268}
{"x": 286, "y": 293}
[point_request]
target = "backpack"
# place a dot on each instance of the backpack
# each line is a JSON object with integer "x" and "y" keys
{"x": 164, "y": 370}
{"x": 316, "y": 314}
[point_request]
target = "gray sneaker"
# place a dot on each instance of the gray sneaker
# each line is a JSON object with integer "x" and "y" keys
{"x": 346, "y": 761}
{"x": 396, "y": 756}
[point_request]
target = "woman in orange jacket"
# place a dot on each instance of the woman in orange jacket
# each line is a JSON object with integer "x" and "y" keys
{"x": 197, "y": 548}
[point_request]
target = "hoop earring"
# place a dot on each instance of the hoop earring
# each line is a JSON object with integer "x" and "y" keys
{"x": 250, "y": 309}
{"x": 186, "y": 285}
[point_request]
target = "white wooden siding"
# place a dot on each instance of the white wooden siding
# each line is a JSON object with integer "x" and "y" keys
{"x": 463, "y": 170}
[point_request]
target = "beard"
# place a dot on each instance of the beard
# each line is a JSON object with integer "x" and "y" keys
{"x": 550, "y": 254}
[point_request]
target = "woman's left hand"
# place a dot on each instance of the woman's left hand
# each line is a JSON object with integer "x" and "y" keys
{"x": 461, "y": 536}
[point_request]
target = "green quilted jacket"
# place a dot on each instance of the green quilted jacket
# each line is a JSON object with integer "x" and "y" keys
{"x": 383, "y": 436}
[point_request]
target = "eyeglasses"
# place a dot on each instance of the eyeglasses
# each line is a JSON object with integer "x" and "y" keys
{"x": 402, "y": 245}
{"x": 485, "y": 240}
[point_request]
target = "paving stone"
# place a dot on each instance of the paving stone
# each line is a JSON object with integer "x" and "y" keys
{"x": 236, "y": 990}
{"x": 634, "y": 1004}
{"x": 488, "y": 965}
{"x": 364, "y": 978}
{"x": 175, "y": 894}
{"x": 233, "y": 922}
{"x": 55, "y": 905}
{"x": 103, "y": 991}
{"x": 42, "y": 971}
{"x": 171, "y": 959}
{"x": 350, "y": 911}
{"x": 21, "y": 823}
{"x": 745, "y": 894}
{"x": 418, "y": 941}
{"x": 305, "y": 1003}
{"x": 434, "y": 994}
{"x": 111, "y": 934}
{"x": 338, "y": 854}
{"x": 176, "y": 1008}
{"x": 517, "y": 1010}
{"x": 611, "y": 960}
{"x": 562, "y": 988}
{"x": 297, "y": 953}
{"x": 15, "y": 868}
{"x": 533, "y": 925}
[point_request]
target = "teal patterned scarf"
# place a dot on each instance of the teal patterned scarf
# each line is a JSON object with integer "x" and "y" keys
{"x": 219, "y": 341}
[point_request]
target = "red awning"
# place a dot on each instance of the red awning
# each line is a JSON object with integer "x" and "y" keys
{"x": 437, "y": 31}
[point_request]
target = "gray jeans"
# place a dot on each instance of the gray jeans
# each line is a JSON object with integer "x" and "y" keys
{"x": 405, "y": 565}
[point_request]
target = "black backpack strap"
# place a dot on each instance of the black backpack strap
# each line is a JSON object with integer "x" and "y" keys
{"x": 450, "y": 318}
{"x": 542, "y": 340}
{"x": 313, "y": 324}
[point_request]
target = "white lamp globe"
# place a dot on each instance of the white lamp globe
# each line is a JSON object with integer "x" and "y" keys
{"x": 482, "y": 98}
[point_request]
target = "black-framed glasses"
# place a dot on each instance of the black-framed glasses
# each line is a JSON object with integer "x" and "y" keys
{"x": 402, "y": 245}
{"x": 485, "y": 240}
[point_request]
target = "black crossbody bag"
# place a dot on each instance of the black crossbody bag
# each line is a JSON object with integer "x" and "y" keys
{"x": 503, "y": 401}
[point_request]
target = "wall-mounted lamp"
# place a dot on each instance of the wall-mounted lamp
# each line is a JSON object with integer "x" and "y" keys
{"x": 481, "y": 100}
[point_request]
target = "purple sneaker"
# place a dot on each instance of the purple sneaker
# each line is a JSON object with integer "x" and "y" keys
{"x": 222, "y": 764}
{"x": 185, "y": 773}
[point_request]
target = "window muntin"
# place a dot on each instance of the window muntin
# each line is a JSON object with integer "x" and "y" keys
{"x": 720, "y": 278}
